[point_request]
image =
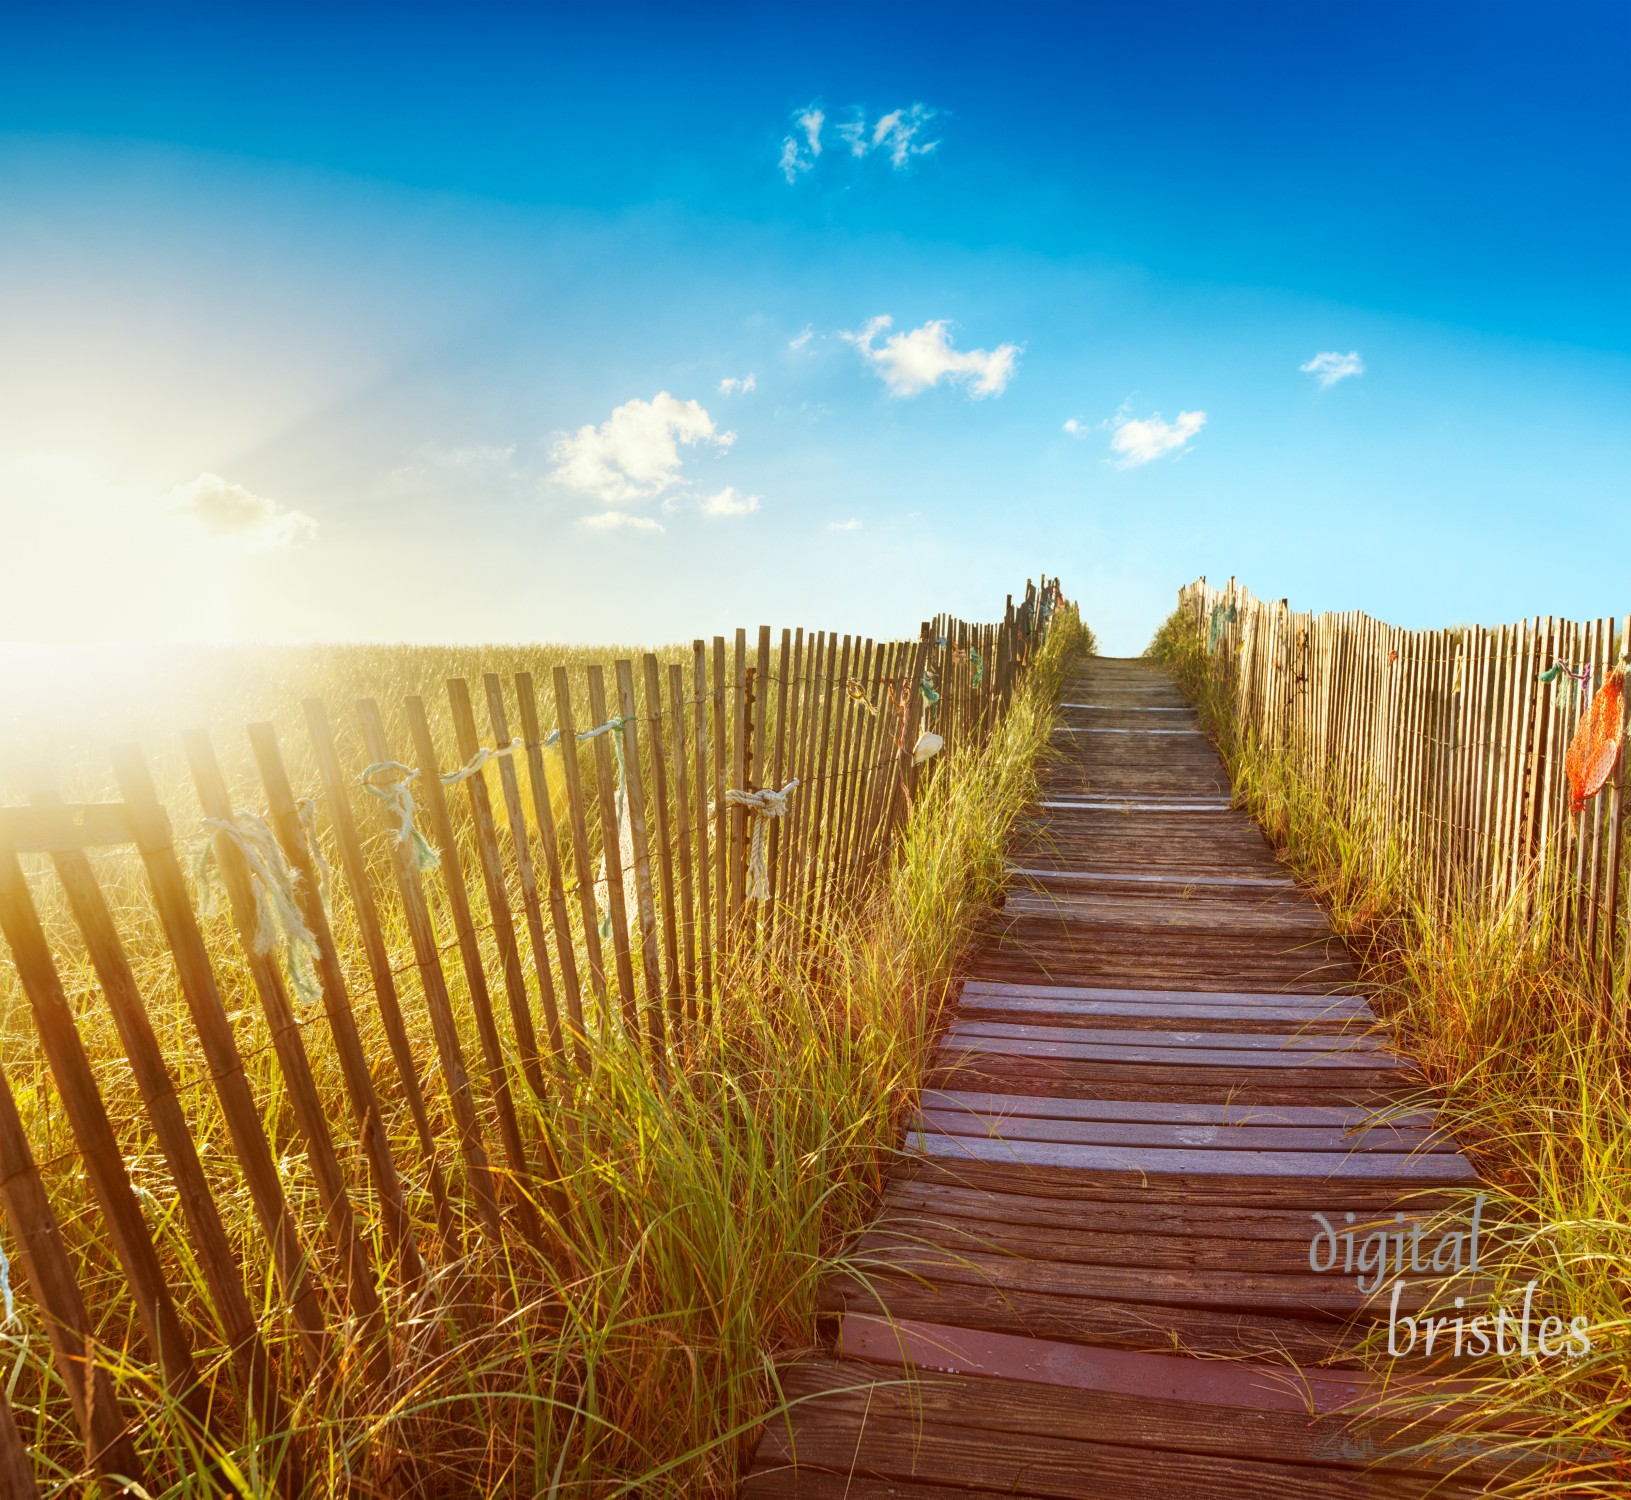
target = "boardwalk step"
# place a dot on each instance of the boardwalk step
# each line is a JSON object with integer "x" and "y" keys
{"x": 1145, "y": 877}
{"x": 1333, "y": 1117}
{"x": 1070, "y": 1443}
{"x": 1220, "y": 1049}
{"x": 1255, "y": 1137}
{"x": 1159, "y": 1161}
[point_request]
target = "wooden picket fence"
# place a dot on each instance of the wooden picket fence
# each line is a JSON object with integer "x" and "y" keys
{"x": 608, "y": 911}
{"x": 1453, "y": 742}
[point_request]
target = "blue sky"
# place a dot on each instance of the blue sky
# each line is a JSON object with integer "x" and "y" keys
{"x": 420, "y": 323}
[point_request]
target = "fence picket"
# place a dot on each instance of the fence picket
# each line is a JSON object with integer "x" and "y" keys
{"x": 48, "y": 1272}
{"x": 481, "y": 1183}
{"x": 336, "y": 795}
{"x": 171, "y": 900}
{"x": 560, "y": 918}
{"x": 362, "y": 1294}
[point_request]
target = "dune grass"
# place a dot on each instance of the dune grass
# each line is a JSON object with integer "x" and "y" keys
{"x": 1534, "y": 1073}
{"x": 637, "y": 1355}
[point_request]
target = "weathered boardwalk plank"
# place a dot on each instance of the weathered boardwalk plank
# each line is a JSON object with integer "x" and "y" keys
{"x": 1090, "y": 1273}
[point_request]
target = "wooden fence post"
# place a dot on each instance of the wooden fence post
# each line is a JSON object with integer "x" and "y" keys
{"x": 640, "y": 845}
{"x": 362, "y": 1294}
{"x": 43, "y": 1259}
{"x": 359, "y": 1081}
{"x": 526, "y": 873}
{"x": 216, "y": 1257}
{"x": 475, "y": 974}
{"x": 478, "y": 1170}
{"x": 354, "y": 864}
{"x": 155, "y": 844}
{"x": 543, "y": 806}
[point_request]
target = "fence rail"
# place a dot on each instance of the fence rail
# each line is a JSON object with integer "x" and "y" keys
{"x": 1457, "y": 743}
{"x": 597, "y": 881}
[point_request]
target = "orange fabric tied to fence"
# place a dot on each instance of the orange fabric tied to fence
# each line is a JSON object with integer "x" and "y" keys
{"x": 1596, "y": 744}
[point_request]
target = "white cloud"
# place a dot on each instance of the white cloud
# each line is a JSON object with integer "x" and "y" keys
{"x": 850, "y": 525}
{"x": 733, "y": 385}
{"x": 895, "y": 134}
{"x": 618, "y": 520}
{"x": 1138, "y": 440}
{"x": 728, "y": 503}
{"x": 1074, "y": 428}
{"x": 233, "y": 514}
{"x": 635, "y": 453}
{"x": 803, "y": 339}
{"x": 799, "y": 156}
{"x": 1331, "y": 367}
{"x": 853, "y": 134}
{"x": 909, "y": 363}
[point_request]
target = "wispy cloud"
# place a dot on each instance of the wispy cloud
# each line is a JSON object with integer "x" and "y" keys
{"x": 850, "y": 525}
{"x": 441, "y": 471}
{"x": 1331, "y": 367}
{"x": 801, "y": 340}
{"x": 800, "y": 149}
{"x": 909, "y": 363}
{"x": 635, "y": 453}
{"x": 1074, "y": 428}
{"x": 230, "y": 513}
{"x": 733, "y": 385}
{"x": 618, "y": 520}
{"x": 897, "y": 134}
{"x": 1139, "y": 440}
{"x": 727, "y": 502}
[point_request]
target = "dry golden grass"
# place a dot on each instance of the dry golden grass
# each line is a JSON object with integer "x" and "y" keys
{"x": 706, "y": 1206}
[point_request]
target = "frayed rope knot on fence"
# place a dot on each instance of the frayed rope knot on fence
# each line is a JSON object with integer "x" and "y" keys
{"x": 480, "y": 759}
{"x": 388, "y": 780}
{"x": 763, "y": 806}
{"x": 272, "y": 880}
{"x": 1579, "y": 679}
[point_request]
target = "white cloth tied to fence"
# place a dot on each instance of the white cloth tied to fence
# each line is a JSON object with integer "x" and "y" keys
{"x": 625, "y": 833}
{"x": 928, "y": 743}
{"x": 763, "y": 806}
{"x": 272, "y": 881}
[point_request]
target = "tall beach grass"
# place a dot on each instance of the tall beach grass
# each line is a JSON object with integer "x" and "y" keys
{"x": 636, "y": 1354}
{"x": 1534, "y": 1074}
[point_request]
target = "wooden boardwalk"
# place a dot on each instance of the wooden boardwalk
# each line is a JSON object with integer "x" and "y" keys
{"x": 1090, "y": 1275}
